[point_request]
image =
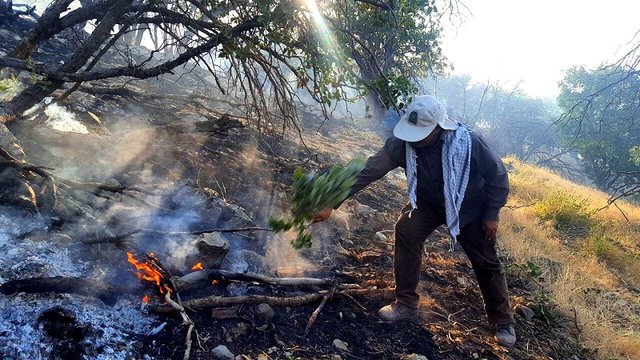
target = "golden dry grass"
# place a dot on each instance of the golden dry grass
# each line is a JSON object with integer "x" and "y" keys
{"x": 591, "y": 274}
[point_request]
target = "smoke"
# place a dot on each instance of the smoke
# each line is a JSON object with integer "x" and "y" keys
{"x": 62, "y": 120}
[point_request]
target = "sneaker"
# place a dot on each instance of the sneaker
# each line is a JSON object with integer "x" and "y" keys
{"x": 397, "y": 312}
{"x": 506, "y": 335}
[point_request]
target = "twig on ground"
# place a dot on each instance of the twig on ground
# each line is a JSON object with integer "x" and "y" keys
{"x": 314, "y": 315}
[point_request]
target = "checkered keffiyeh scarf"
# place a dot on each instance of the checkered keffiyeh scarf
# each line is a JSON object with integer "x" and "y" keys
{"x": 456, "y": 162}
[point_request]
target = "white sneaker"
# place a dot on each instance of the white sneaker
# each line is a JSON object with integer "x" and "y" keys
{"x": 397, "y": 312}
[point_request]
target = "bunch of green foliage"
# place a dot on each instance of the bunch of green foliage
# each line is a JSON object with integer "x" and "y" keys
{"x": 313, "y": 193}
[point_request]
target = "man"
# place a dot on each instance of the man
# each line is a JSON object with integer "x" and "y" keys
{"x": 454, "y": 179}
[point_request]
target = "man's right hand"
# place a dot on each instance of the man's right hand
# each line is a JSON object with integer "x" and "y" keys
{"x": 322, "y": 215}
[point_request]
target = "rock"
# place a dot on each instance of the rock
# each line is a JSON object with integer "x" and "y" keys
{"x": 336, "y": 357}
{"x": 265, "y": 312}
{"x": 462, "y": 281}
{"x": 526, "y": 312}
{"x": 381, "y": 237}
{"x": 113, "y": 182}
{"x": 187, "y": 196}
{"x": 213, "y": 248}
{"x": 221, "y": 352}
{"x": 243, "y": 357}
{"x": 475, "y": 356}
{"x": 364, "y": 211}
{"x": 255, "y": 262}
{"x": 340, "y": 345}
{"x": 238, "y": 330}
{"x": 414, "y": 357}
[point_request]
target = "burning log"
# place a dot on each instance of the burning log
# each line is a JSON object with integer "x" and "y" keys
{"x": 150, "y": 269}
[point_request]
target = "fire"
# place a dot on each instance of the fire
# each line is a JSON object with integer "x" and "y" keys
{"x": 145, "y": 299}
{"x": 197, "y": 266}
{"x": 150, "y": 270}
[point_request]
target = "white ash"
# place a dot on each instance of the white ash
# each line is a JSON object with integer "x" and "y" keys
{"x": 21, "y": 337}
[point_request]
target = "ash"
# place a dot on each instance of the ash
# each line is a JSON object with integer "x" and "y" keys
{"x": 91, "y": 330}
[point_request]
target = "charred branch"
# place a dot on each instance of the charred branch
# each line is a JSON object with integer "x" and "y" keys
{"x": 68, "y": 285}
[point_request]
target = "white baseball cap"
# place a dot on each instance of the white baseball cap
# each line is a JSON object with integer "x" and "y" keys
{"x": 421, "y": 117}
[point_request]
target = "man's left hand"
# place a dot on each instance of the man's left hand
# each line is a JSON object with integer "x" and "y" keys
{"x": 490, "y": 229}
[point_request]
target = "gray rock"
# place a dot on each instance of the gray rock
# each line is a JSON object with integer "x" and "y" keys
{"x": 264, "y": 311}
{"x": 113, "y": 182}
{"x": 213, "y": 248}
{"x": 221, "y": 352}
{"x": 336, "y": 357}
{"x": 186, "y": 195}
{"x": 340, "y": 345}
{"x": 381, "y": 237}
{"x": 526, "y": 312}
{"x": 414, "y": 357}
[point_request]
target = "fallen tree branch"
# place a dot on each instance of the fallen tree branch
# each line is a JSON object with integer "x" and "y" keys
{"x": 119, "y": 237}
{"x": 215, "y": 301}
{"x": 316, "y": 312}
{"x": 190, "y": 280}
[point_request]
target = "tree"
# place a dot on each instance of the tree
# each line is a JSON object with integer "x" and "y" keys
{"x": 267, "y": 50}
{"x": 394, "y": 44}
{"x": 601, "y": 123}
{"x": 514, "y": 123}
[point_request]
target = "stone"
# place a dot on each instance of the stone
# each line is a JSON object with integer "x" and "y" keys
{"x": 340, "y": 345}
{"x": 265, "y": 312}
{"x": 221, "y": 352}
{"x": 475, "y": 356}
{"x": 213, "y": 248}
{"x": 336, "y": 357}
{"x": 526, "y": 312}
{"x": 113, "y": 182}
{"x": 414, "y": 357}
{"x": 243, "y": 357}
{"x": 381, "y": 237}
{"x": 256, "y": 263}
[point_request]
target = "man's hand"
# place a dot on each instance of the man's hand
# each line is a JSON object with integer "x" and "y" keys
{"x": 490, "y": 229}
{"x": 322, "y": 215}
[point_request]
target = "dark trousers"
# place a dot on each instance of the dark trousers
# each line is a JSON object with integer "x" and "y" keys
{"x": 411, "y": 233}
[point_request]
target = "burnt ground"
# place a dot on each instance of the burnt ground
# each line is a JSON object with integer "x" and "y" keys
{"x": 254, "y": 171}
{"x": 452, "y": 323}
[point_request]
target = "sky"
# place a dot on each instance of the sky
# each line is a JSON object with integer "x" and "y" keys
{"x": 535, "y": 41}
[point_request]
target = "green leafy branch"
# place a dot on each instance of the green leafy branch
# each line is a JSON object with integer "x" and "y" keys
{"x": 313, "y": 193}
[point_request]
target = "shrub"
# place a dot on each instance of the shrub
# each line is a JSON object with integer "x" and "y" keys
{"x": 569, "y": 213}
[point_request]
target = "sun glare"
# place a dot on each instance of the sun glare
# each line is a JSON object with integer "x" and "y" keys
{"x": 322, "y": 30}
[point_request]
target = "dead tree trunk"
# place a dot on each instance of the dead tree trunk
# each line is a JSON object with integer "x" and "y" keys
{"x": 44, "y": 29}
{"x": 38, "y": 91}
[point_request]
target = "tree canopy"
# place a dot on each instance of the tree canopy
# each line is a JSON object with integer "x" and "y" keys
{"x": 602, "y": 109}
{"x": 270, "y": 48}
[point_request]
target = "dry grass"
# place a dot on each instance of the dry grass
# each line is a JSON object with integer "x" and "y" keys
{"x": 593, "y": 272}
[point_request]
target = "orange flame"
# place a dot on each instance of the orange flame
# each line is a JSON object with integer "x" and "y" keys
{"x": 145, "y": 299}
{"x": 145, "y": 271}
{"x": 197, "y": 266}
